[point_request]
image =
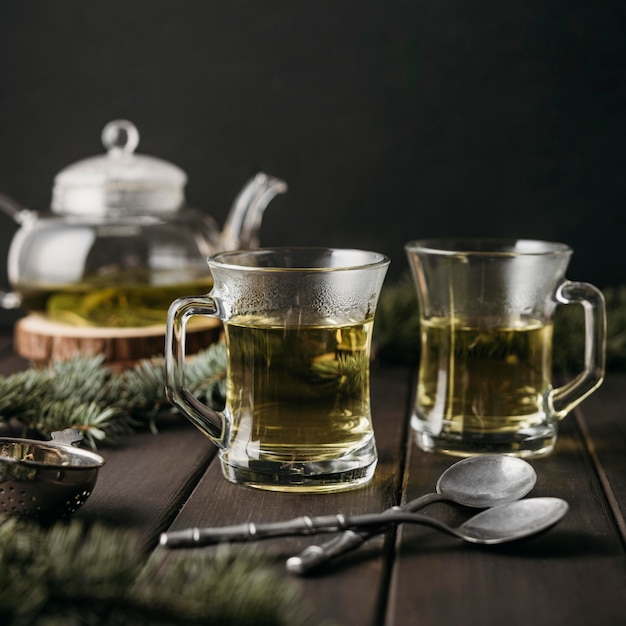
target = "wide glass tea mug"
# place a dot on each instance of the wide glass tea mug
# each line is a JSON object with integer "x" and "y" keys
{"x": 298, "y": 328}
{"x": 486, "y": 318}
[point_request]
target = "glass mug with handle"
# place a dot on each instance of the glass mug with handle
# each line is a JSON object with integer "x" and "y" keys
{"x": 486, "y": 319}
{"x": 298, "y": 328}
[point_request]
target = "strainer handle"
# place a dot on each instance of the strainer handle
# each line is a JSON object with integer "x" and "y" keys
{"x": 68, "y": 436}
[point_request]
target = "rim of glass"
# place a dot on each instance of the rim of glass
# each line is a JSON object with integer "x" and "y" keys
{"x": 485, "y": 246}
{"x": 294, "y": 259}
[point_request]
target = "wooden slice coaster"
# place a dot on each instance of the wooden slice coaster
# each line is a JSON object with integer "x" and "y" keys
{"x": 41, "y": 341}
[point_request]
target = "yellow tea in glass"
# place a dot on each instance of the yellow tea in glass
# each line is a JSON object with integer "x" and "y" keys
{"x": 486, "y": 316}
{"x": 298, "y": 330}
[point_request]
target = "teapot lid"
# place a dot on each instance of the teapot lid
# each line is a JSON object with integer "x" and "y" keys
{"x": 119, "y": 182}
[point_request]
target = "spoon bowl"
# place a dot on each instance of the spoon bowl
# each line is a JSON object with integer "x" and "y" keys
{"x": 513, "y": 521}
{"x": 486, "y": 481}
{"x": 482, "y": 481}
{"x": 504, "y": 523}
{"x": 476, "y": 482}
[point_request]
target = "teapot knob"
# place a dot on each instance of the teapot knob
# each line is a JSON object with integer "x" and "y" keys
{"x": 120, "y": 136}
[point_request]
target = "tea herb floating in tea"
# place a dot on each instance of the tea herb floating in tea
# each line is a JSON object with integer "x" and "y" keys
{"x": 298, "y": 330}
{"x": 486, "y": 312}
{"x": 314, "y": 398}
{"x": 514, "y": 360}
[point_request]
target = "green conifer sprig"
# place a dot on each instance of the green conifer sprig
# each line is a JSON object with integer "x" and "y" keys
{"x": 86, "y": 394}
{"x": 71, "y": 575}
{"x": 397, "y": 326}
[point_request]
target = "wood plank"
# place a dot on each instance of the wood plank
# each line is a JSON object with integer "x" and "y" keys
{"x": 350, "y": 590}
{"x": 147, "y": 477}
{"x": 572, "y": 575}
{"x": 603, "y": 423}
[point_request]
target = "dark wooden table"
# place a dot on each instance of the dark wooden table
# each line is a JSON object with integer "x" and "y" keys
{"x": 575, "y": 574}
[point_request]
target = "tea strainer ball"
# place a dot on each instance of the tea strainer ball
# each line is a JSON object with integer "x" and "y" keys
{"x": 46, "y": 480}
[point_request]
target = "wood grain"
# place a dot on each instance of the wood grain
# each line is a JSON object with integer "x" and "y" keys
{"x": 573, "y": 575}
{"x": 216, "y": 502}
{"x": 40, "y": 340}
{"x": 147, "y": 478}
{"x": 546, "y": 580}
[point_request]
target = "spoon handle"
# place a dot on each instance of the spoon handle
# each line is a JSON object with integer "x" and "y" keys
{"x": 304, "y": 525}
{"x": 316, "y": 555}
{"x": 196, "y": 537}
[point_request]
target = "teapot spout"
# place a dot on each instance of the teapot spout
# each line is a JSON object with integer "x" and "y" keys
{"x": 243, "y": 223}
{"x": 19, "y": 214}
{"x": 23, "y": 217}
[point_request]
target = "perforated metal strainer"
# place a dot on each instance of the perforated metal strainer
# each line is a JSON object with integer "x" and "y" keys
{"x": 47, "y": 480}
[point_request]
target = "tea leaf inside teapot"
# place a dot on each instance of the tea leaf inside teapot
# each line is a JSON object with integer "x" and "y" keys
{"x": 119, "y": 305}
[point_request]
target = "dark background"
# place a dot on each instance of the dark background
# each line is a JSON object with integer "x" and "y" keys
{"x": 389, "y": 120}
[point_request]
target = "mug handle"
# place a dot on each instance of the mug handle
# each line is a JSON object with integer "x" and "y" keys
{"x": 212, "y": 423}
{"x": 572, "y": 393}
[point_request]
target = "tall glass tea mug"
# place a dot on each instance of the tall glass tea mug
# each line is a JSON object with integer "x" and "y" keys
{"x": 298, "y": 328}
{"x": 486, "y": 315}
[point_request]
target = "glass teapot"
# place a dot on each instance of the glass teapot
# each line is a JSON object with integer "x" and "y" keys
{"x": 119, "y": 243}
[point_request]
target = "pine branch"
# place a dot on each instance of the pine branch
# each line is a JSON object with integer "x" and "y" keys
{"x": 86, "y": 394}
{"x": 71, "y": 575}
{"x": 396, "y": 327}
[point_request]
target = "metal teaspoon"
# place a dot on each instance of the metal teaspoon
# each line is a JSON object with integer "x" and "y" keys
{"x": 478, "y": 482}
{"x": 504, "y": 523}
{"x": 481, "y": 482}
